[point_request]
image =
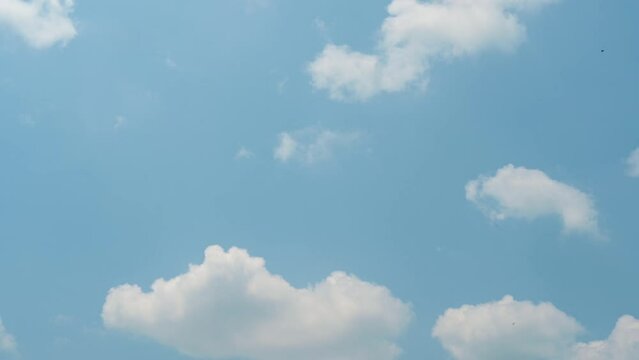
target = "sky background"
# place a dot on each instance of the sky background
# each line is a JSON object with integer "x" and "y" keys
{"x": 118, "y": 157}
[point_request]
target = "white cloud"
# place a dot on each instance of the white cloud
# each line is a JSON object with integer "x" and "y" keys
{"x": 286, "y": 147}
{"x": 510, "y": 329}
{"x": 633, "y": 164}
{"x": 310, "y": 145}
{"x": 7, "y": 341}
{"x": 506, "y": 330}
{"x": 41, "y": 23}
{"x": 244, "y": 154}
{"x": 623, "y": 343}
{"x": 413, "y": 35}
{"x": 232, "y": 306}
{"x": 518, "y": 192}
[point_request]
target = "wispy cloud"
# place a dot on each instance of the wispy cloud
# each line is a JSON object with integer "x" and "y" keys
{"x": 41, "y": 23}
{"x": 8, "y": 343}
{"x": 119, "y": 122}
{"x": 28, "y": 121}
{"x": 321, "y": 27}
{"x": 632, "y": 164}
{"x": 254, "y": 5}
{"x": 281, "y": 85}
{"x": 244, "y": 154}
{"x": 311, "y": 145}
{"x": 414, "y": 35}
{"x": 170, "y": 63}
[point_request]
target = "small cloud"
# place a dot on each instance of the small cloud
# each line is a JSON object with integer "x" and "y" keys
{"x": 244, "y": 154}
{"x": 8, "y": 343}
{"x": 62, "y": 342}
{"x": 310, "y": 146}
{"x": 170, "y": 63}
{"x": 632, "y": 164}
{"x": 281, "y": 85}
{"x": 254, "y": 5}
{"x": 28, "y": 121}
{"x": 286, "y": 147}
{"x": 521, "y": 193}
{"x": 41, "y": 23}
{"x": 321, "y": 27}
{"x": 63, "y": 320}
{"x": 320, "y": 24}
{"x": 119, "y": 122}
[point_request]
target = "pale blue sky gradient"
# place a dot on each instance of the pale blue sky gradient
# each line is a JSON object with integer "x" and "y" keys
{"x": 86, "y": 205}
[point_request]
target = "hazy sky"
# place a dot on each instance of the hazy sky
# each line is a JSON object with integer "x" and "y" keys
{"x": 328, "y": 180}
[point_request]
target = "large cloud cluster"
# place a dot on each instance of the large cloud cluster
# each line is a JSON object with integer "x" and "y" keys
{"x": 412, "y": 36}
{"x": 231, "y": 306}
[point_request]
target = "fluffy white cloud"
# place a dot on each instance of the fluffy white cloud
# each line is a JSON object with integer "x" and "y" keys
{"x": 623, "y": 343}
{"x": 413, "y": 35}
{"x": 506, "y": 330}
{"x": 633, "y": 164}
{"x": 42, "y": 23}
{"x": 510, "y": 329}
{"x": 518, "y": 192}
{"x": 232, "y": 306}
{"x": 310, "y": 146}
{"x": 7, "y": 341}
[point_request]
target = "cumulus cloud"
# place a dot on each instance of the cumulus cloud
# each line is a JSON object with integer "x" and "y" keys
{"x": 41, "y": 23}
{"x": 231, "y": 306}
{"x": 507, "y": 329}
{"x": 413, "y": 35}
{"x": 310, "y": 146}
{"x": 7, "y": 341}
{"x": 510, "y": 329}
{"x": 518, "y": 192}
{"x": 623, "y": 343}
{"x": 633, "y": 164}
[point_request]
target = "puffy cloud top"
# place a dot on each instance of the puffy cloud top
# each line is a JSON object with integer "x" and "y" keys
{"x": 231, "y": 306}
{"x": 623, "y": 343}
{"x": 7, "y": 341}
{"x": 412, "y": 36}
{"x": 509, "y": 329}
{"x": 518, "y": 192}
{"x": 41, "y": 23}
{"x": 506, "y": 330}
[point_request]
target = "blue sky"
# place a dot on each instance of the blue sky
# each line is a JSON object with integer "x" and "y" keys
{"x": 469, "y": 156}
